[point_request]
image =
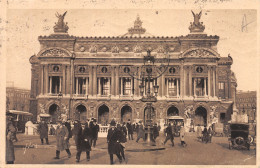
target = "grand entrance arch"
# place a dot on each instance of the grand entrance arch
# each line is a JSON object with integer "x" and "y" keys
{"x": 103, "y": 115}
{"x": 126, "y": 113}
{"x": 172, "y": 111}
{"x": 81, "y": 113}
{"x": 53, "y": 111}
{"x": 200, "y": 116}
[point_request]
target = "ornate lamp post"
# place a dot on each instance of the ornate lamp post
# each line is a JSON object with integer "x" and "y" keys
{"x": 149, "y": 73}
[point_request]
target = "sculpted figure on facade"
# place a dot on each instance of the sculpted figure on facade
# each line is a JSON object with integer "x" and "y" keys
{"x": 93, "y": 49}
{"x": 61, "y": 26}
{"x": 213, "y": 114}
{"x": 188, "y": 111}
{"x": 42, "y": 108}
{"x": 115, "y": 49}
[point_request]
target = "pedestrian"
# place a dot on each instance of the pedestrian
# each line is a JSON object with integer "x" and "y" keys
{"x": 43, "y": 130}
{"x": 52, "y": 130}
{"x": 140, "y": 132}
{"x": 205, "y": 135}
{"x": 78, "y": 138}
{"x": 62, "y": 135}
{"x": 10, "y": 139}
{"x": 199, "y": 133}
{"x": 92, "y": 129}
{"x": 95, "y": 131}
{"x": 169, "y": 134}
{"x": 113, "y": 139}
{"x": 68, "y": 126}
{"x": 210, "y": 132}
{"x": 129, "y": 130}
{"x": 182, "y": 135}
{"x": 155, "y": 131}
{"x": 86, "y": 146}
{"x": 123, "y": 139}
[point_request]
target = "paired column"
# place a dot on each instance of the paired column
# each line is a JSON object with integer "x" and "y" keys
{"x": 99, "y": 86}
{"x": 209, "y": 81}
{"x": 86, "y": 84}
{"x": 109, "y": 86}
{"x": 63, "y": 78}
{"x": 167, "y": 87}
{"x": 117, "y": 81}
{"x": 184, "y": 80}
{"x": 90, "y": 85}
{"x": 50, "y": 84}
{"x": 77, "y": 85}
{"x": 177, "y": 81}
{"x": 190, "y": 81}
{"x": 194, "y": 86}
{"x": 46, "y": 78}
{"x": 121, "y": 84}
{"x": 42, "y": 75}
{"x": 163, "y": 85}
{"x": 214, "y": 82}
{"x": 112, "y": 81}
{"x": 205, "y": 84}
{"x": 95, "y": 80}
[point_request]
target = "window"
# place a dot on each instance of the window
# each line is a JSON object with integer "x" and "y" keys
{"x": 200, "y": 87}
{"x": 81, "y": 85}
{"x": 221, "y": 86}
{"x": 172, "y": 87}
{"x": 222, "y": 117}
{"x": 127, "y": 86}
{"x": 55, "y": 84}
{"x": 104, "y": 86}
{"x": 152, "y": 83}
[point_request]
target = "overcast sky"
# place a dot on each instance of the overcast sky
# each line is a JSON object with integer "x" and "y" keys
{"x": 24, "y": 27}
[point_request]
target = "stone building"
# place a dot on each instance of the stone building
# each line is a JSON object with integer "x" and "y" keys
{"x": 246, "y": 103}
{"x": 84, "y": 77}
{"x": 17, "y": 98}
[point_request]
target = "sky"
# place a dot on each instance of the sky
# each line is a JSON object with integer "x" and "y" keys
{"x": 25, "y": 25}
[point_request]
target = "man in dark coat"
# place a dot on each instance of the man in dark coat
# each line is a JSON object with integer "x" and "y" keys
{"x": 82, "y": 141}
{"x": 140, "y": 132}
{"x": 43, "y": 129}
{"x": 155, "y": 131}
{"x": 95, "y": 131}
{"x": 205, "y": 135}
{"x": 210, "y": 132}
{"x": 10, "y": 139}
{"x": 169, "y": 134}
{"x": 130, "y": 130}
{"x": 67, "y": 124}
{"x": 62, "y": 135}
{"x": 113, "y": 139}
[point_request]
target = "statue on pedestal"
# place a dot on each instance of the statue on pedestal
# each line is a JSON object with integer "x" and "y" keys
{"x": 61, "y": 26}
{"x": 196, "y": 26}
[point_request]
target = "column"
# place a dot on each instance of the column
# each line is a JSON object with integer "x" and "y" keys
{"x": 63, "y": 79}
{"x": 167, "y": 87}
{"x": 177, "y": 81}
{"x": 132, "y": 85}
{"x": 117, "y": 81}
{"x": 112, "y": 81}
{"x": 95, "y": 80}
{"x": 60, "y": 84}
{"x": 87, "y": 86}
{"x": 184, "y": 80}
{"x": 163, "y": 85}
{"x": 46, "y": 78}
{"x": 205, "y": 91}
{"x": 121, "y": 84}
{"x": 50, "y": 84}
{"x": 109, "y": 84}
{"x": 214, "y": 82}
{"x": 77, "y": 85}
{"x": 194, "y": 86}
{"x": 42, "y": 73}
{"x": 209, "y": 83}
{"x": 190, "y": 81}
{"x": 181, "y": 81}
{"x": 217, "y": 82}
{"x": 99, "y": 86}
{"x": 90, "y": 85}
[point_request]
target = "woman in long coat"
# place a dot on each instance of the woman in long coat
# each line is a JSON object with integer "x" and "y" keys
{"x": 43, "y": 130}
{"x": 10, "y": 138}
{"x": 113, "y": 139}
{"x": 182, "y": 135}
{"x": 62, "y": 135}
{"x": 199, "y": 132}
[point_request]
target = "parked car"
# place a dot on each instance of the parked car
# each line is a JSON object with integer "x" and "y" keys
{"x": 239, "y": 137}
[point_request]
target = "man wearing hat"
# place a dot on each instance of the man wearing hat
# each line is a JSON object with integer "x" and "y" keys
{"x": 113, "y": 139}
{"x": 95, "y": 131}
{"x": 140, "y": 131}
{"x": 62, "y": 135}
{"x": 10, "y": 138}
{"x": 130, "y": 130}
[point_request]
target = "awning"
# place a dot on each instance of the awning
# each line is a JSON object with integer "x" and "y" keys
{"x": 21, "y": 112}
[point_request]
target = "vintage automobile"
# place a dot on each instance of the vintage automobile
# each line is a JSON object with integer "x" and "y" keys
{"x": 177, "y": 123}
{"x": 239, "y": 137}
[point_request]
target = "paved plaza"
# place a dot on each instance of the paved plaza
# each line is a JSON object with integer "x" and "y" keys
{"x": 196, "y": 153}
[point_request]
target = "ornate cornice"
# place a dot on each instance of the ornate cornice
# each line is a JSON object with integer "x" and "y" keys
{"x": 200, "y": 53}
{"x": 54, "y": 52}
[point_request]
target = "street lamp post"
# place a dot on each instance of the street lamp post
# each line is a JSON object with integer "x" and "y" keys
{"x": 148, "y": 75}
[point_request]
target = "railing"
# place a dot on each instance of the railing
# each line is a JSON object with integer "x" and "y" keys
{"x": 103, "y": 131}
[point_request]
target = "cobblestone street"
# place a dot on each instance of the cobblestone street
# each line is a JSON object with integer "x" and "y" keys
{"x": 196, "y": 153}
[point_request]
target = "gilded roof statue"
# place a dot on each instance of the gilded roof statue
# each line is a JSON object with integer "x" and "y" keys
{"x": 196, "y": 25}
{"x": 61, "y": 26}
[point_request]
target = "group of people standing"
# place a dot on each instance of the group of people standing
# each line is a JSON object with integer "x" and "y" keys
{"x": 170, "y": 133}
{"x": 205, "y": 135}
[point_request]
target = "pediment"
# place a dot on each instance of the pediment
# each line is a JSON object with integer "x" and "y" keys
{"x": 54, "y": 52}
{"x": 200, "y": 53}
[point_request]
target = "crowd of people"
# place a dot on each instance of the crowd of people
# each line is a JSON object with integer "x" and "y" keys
{"x": 204, "y": 135}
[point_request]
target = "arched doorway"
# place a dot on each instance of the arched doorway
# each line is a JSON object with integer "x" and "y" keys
{"x": 146, "y": 113}
{"x": 200, "y": 116}
{"x": 172, "y": 111}
{"x": 81, "y": 112}
{"x": 53, "y": 111}
{"x": 103, "y": 115}
{"x": 126, "y": 113}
